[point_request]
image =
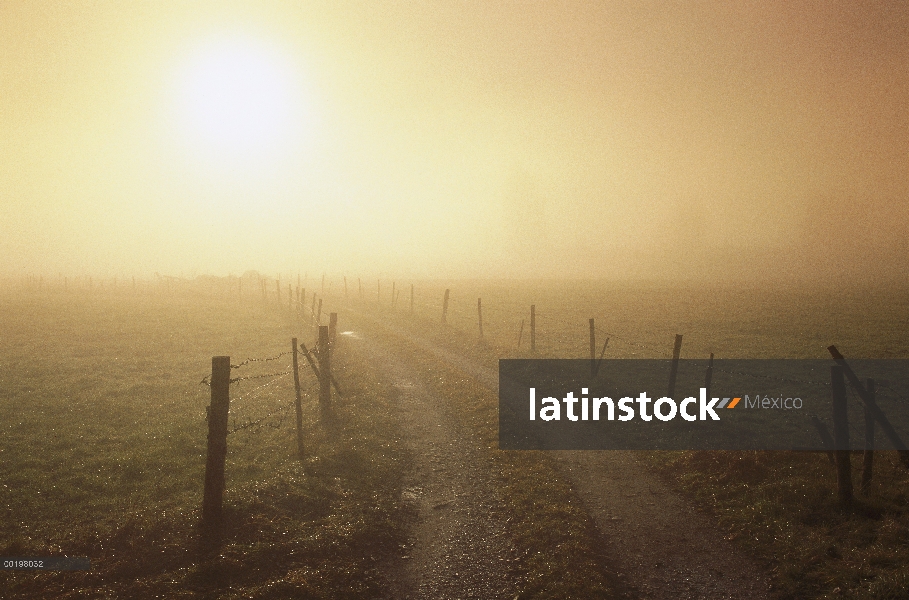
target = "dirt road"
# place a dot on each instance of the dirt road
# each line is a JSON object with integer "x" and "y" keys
{"x": 459, "y": 546}
{"x": 663, "y": 546}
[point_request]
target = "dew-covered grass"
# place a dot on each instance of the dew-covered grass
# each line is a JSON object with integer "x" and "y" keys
{"x": 102, "y": 453}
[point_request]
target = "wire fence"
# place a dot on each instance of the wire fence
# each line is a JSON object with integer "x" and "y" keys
{"x": 507, "y": 322}
{"x": 254, "y": 360}
{"x": 504, "y": 322}
{"x": 274, "y": 419}
{"x": 249, "y": 400}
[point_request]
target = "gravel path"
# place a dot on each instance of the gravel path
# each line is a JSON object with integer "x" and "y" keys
{"x": 458, "y": 545}
{"x": 663, "y": 546}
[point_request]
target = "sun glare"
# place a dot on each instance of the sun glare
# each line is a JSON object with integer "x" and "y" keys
{"x": 239, "y": 103}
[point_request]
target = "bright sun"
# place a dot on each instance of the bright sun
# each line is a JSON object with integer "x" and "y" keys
{"x": 239, "y": 102}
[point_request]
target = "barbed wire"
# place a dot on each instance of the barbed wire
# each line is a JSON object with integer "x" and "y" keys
{"x": 891, "y": 392}
{"x": 207, "y": 379}
{"x": 280, "y": 411}
{"x": 258, "y": 423}
{"x": 281, "y": 374}
{"x": 252, "y": 360}
{"x": 258, "y": 389}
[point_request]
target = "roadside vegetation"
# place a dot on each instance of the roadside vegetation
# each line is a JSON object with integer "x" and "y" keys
{"x": 103, "y": 444}
{"x": 782, "y": 507}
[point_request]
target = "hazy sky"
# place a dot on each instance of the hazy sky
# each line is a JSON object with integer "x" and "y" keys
{"x": 628, "y": 138}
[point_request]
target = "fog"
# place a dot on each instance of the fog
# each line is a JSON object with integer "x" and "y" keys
{"x": 700, "y": 140}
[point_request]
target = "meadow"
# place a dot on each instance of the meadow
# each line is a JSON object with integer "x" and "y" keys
{"x": 102, "y": 453}
{"x": 103, "y": 433}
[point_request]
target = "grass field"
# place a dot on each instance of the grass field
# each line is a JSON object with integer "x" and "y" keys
{"x": 103, "y": 438}
{"x": 102, "y": 455}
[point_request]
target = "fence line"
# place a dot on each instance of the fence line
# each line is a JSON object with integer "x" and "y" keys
{"x": 504, "y": 319}
{"x": 554, "y": 330}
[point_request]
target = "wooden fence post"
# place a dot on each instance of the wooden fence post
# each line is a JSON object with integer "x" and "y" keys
{"x": 445, "y": 307}
{"x": 319, "y": 314}
{"x": 674, "y": 369}
{"x": 299, "y": 404}
{"x": 868, "y": 457}
{"x": 480, "y": 315}
{"x": 217, "y": 448}
{"x": 533, "y": 327}
{"x": 708, "y": 378}
{"x": 841, "y": 435}
{"x": 324, "y": 355}
{"x": 302, "y": 307}
{"x": 869, "y": 401}
{"x": 593, "y": 348}
{"x": 312, "y": 309}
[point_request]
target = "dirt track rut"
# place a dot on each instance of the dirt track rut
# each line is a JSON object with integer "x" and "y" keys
{"x": 459, "y": 546}
{"x": 663, "y": 546}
